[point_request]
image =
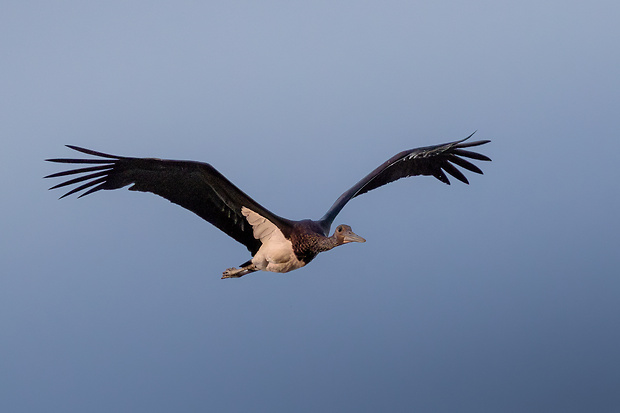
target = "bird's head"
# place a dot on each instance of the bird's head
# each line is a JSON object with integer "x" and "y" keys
{"x": 344, "y": 235}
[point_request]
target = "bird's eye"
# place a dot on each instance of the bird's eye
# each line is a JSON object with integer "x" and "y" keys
{"x": 339, "y": 229}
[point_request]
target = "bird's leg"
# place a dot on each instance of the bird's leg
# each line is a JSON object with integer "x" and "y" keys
{"x": 239, "y": 272}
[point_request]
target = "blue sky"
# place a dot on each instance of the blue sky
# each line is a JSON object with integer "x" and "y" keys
{"x": 497, "y": 296}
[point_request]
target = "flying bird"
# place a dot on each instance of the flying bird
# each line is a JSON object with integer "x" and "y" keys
{"x": 277, "y": 244}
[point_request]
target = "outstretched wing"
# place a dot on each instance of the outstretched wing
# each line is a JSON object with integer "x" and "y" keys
{"x": 193, "y": 185}
{"x": 429, "y": 160}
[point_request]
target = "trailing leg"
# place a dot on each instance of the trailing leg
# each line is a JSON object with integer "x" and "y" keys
{"x": 247, "y": 268}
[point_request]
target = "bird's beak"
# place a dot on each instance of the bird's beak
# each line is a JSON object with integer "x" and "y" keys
{"x": 352, "y": 237}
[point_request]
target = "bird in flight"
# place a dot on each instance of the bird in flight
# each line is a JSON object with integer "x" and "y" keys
{"x": 277, "y": 244}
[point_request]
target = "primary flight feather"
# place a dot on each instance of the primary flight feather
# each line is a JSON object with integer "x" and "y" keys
{"x": 277, "y": 244}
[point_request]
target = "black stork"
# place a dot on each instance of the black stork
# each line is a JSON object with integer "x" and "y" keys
{"x": 277, "y": 244}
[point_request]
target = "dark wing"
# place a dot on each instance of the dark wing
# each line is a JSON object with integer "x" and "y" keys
{"x": 193, "y": 185}
{"x": 429, "y": 160}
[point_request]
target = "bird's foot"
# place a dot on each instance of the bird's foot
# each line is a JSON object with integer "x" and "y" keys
{"x": 232, "y": 273}
{"x": 239, "y": 272}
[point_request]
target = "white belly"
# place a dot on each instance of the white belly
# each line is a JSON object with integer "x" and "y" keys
{"x": 277, "y": 257}
{"x": 276, "y": 254}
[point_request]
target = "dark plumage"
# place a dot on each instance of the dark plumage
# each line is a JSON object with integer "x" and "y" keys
{"x": 276, "y": 244}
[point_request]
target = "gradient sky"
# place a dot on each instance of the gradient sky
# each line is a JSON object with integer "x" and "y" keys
{"x": 502, "y": 295}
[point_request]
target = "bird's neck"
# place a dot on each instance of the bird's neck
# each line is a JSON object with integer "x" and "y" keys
{"x": 327, "y": 243}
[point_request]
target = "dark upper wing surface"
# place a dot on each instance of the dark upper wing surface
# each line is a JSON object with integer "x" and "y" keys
{"x": 193, "y": 185}
{"x": 433, "y": 160}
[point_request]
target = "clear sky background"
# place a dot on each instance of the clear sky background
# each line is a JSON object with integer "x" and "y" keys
{"x": 503, "y": 295}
